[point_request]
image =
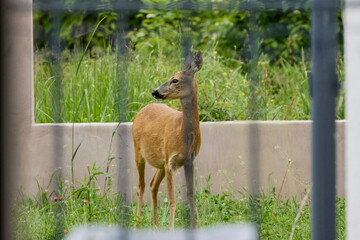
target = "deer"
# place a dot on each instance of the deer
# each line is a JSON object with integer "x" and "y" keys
{"x": 168, "y": 139}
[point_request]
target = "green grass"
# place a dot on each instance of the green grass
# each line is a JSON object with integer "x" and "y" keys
{"x": 224, "y": 92}
{"x": 41, "y": 217}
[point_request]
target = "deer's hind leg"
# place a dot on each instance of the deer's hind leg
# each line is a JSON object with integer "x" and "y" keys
{"x": 154, "y": 186}
{"x": 140, "y": 165}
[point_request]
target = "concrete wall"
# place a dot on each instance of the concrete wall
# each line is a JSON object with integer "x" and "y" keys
{"x": 225, "y": 154}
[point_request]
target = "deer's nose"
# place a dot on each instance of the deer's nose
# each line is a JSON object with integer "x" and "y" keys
{"x": 156, "y": 94}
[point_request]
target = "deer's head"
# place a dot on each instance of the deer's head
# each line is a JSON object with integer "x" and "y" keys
{"x": 183, "y": 83}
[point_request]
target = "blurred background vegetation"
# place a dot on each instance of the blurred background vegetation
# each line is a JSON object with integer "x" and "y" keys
{"x": 284, "y": 33}
{"x": 154, "y": 37}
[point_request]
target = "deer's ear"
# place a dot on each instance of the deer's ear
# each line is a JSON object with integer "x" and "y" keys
{"x": 193, "y": 64}
{"x": 196, "y": 64}
{"x": 188, "y": 60}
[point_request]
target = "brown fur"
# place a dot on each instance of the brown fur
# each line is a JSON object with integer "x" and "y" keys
{"x": 168, "y": 139}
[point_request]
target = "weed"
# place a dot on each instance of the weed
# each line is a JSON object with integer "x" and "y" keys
{"x": 40, "y": 218}
{"x": 224, "y": 92}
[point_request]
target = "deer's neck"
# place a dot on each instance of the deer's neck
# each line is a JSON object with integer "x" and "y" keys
{"x": 190, "y": 111}
{"x": 190, "y": 121}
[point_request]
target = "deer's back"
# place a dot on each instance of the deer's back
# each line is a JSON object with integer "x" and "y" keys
{"x": 151, "y": 128}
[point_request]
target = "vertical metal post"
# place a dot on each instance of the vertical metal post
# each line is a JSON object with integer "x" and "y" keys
{"x": 323, "y": 57}
{"x": 16, "y": 65}
{"x": 6, "y": 136}
{"x": 189, "y": 162}
{"x": 121, "y": 98}
{"x": 56, "y": 92}
{"x": 254, "y": 114}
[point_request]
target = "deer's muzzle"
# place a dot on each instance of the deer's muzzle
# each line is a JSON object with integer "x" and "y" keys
{"x": 157, "y": 95}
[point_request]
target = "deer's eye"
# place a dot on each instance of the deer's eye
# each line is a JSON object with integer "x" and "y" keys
{"x": 174, "y": 81}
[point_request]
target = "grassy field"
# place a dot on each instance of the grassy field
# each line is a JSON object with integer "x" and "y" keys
{"x": 224, "y": 87}
{"x": 89, "y": 93}
{"x": 44, "y": 217}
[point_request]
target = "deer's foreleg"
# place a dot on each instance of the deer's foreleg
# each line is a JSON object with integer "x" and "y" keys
{"x": 169, "y": 174}
{"x": 189, "y": 177}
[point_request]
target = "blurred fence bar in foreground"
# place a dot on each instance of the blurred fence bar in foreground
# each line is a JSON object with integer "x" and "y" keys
{"x": 325, "y": 87}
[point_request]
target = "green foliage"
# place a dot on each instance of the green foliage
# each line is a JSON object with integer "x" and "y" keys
{"x": 228, "y": 89}
{"x": 75, "y": 27}
{"x": 224, "y": 92}
{"x": 284, "y": 33}
{"x": 35, "y": 218}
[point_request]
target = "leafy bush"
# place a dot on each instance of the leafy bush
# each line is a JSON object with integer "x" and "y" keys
{"x": 284, "y": 33}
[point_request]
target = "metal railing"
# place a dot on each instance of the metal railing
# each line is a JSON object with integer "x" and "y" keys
{"x": 324, "y": 87}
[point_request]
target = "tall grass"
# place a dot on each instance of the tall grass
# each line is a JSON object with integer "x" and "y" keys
{"x": 224, "y": 93}
{"x": 39, "y": 217}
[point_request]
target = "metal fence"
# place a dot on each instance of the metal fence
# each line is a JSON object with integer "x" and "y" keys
{"x": 324, "y": 85}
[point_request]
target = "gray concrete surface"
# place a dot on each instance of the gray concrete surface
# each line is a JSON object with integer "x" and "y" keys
{"x": 224, "y": 155}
